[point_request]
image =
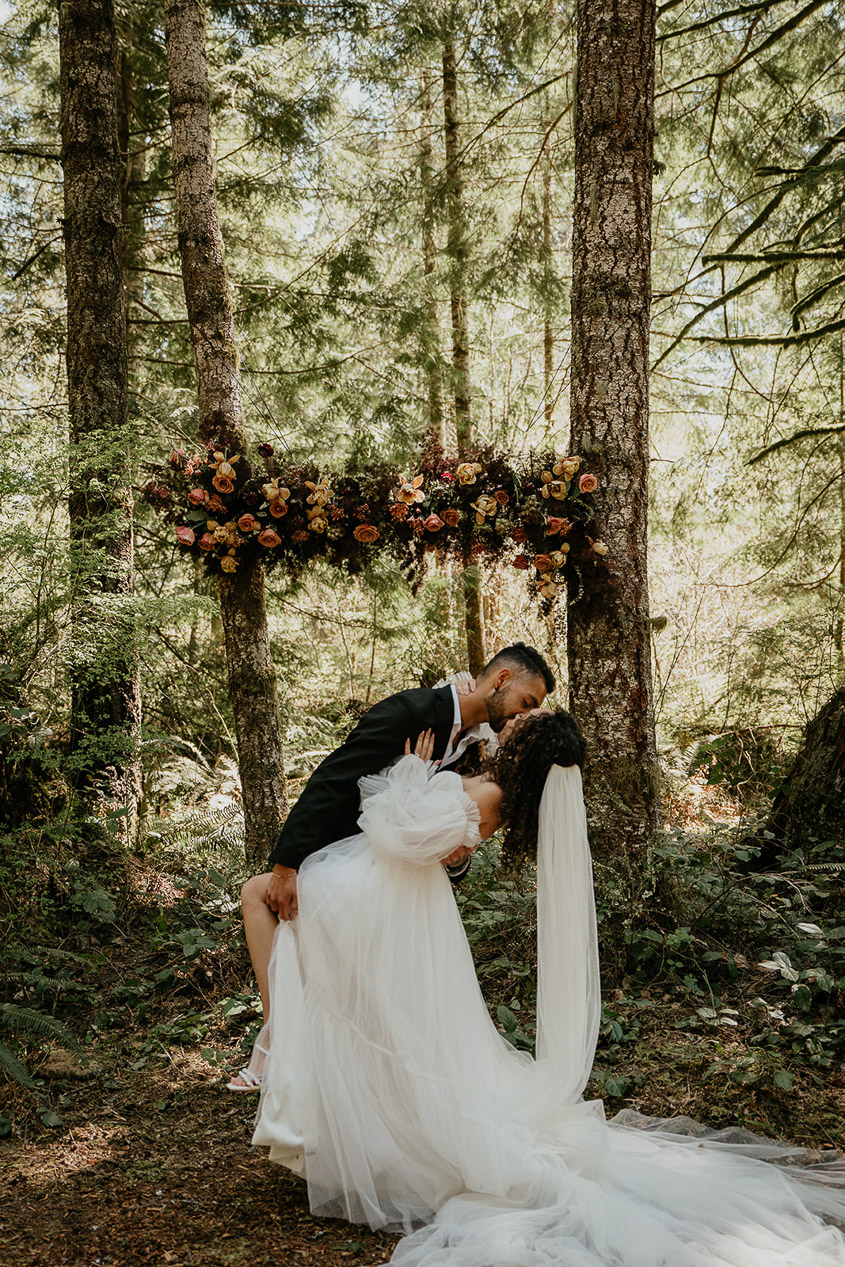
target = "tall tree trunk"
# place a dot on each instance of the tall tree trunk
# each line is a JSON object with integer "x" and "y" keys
{"x": 608, "y": 629}
{"x": 106, "y": 704}
{"x": 456, "y": 249}
{"x": 252, "y": 679}
{"x": 431, "y": 339}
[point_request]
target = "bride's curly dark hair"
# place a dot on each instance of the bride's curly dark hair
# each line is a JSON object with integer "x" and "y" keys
{"x": 520, "y": 767}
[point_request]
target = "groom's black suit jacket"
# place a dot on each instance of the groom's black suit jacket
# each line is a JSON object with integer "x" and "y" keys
{"x": 329, "y": 804}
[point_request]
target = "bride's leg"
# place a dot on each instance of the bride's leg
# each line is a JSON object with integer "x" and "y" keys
{"x": 260, "y": 928}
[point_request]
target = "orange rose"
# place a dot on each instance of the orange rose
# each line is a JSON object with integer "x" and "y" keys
{"x": 223, "y": 483}
{"x": 434, "y": 523}
{"x": 247, "y": 523}
{"x": 520, "y": 562}
{"x": 278, "y": 508}
{"x": 518, "y": 533}
{"x": 542, "y": 563}
{"x": 587, "y": 484}
{"x": 269, "y": 538}
{"x": 366, "y": 534}
{"x": 451, "y": 517}
{"x": 502, "y": 497}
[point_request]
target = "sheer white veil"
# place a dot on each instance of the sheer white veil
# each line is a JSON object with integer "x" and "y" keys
{"x": 568, "y": 984}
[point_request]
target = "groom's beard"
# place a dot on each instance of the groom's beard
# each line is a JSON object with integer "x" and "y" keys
{"x": 497, "y": 709}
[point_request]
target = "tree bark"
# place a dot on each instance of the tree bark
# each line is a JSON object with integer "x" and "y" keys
{"x": 456, "y": 249}
{"x": 106, "y": 703}
{"x": 608, "y": 617}
{"x": 431, "y": 337}
{"x": 252, "y": 679}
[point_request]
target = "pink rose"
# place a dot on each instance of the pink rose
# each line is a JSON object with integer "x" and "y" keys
{"x": 247, "y": 523}
{"x": 587, "y": 484}
{"x": 198, "y": 497}
{"x": 434, "y": 523}
{"x": 269, "y": 538}
{"x": 185, "y": 536}
{"x": 206, "y": 541}
{"x": 555, "y": 526}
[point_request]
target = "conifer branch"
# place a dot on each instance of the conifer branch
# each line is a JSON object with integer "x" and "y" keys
{"x": 771, "y": 340}
{"x": 814, "y": 296}
{"x": 772, "y": 38}
{"x": 804, "y": 434}
{"x": 719, "y": 302}
{"x": 762, "y": 6}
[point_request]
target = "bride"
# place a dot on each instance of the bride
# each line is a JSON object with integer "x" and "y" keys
{"x": 389, "y": 1089}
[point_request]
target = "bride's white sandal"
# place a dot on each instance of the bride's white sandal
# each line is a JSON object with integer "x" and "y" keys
{"x": 249, "y": 1081}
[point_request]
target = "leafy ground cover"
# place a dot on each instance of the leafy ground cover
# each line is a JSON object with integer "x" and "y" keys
{"x": 723, "y": 1002}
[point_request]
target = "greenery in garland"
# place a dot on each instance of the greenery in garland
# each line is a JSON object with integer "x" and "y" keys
{"x": 534, "y": 510}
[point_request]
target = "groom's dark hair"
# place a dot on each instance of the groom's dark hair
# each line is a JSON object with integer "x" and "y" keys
{"x": 524, "y": 660}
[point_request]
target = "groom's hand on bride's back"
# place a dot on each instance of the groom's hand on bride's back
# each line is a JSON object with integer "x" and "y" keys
{"x": 281, "y": 892}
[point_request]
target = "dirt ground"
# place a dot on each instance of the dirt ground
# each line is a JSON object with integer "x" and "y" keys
{"x": 153, "y": 1168}
{"x": 158, "y": 1172}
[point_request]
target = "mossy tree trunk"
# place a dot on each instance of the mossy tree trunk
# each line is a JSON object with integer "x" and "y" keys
{"x": 456, "y": 250}
{"x": 252, "y": 679}
{"x": 811, "y": 804}
{"x": 607, "y": 613}
{"x": 106, "y": 701}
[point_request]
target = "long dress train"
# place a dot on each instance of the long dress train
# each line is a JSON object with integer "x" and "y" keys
{"x": 388, "y": 1086}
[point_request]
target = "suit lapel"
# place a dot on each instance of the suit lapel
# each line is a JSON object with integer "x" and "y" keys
{"x": 444, "y": 714}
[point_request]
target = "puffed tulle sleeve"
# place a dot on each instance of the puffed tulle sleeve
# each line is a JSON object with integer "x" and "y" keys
{"x": 413, "y": 818}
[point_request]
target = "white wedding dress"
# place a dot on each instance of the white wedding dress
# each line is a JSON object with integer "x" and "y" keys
{"x": 389, "y": 1088}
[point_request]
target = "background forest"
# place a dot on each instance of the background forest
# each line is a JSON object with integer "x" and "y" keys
{"x": 377, "y": 164}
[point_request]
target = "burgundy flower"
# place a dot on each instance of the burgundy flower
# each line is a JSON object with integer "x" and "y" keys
{"x": 265, "y": 450}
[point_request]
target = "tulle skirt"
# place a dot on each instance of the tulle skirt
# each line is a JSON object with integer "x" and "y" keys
{"x": 388, "y": 1087}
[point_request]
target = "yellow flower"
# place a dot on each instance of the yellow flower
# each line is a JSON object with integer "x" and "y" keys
{"x": 228, "y": 564}
{"x": 320, "y": 493}
{"x": 485, "y": 507}
{"x": 410, "y": 491}
{"x": 466, "y": 472}
{"x": 272, "y": 491}
{"x": 599, "y": 547}
{"x": 567, "y": 467}
{"x": 318, "y": 524}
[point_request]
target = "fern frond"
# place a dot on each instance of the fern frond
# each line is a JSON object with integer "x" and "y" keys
{"x": 24, "y": 1020}
{"x": 15, "y": 1068}
{"x": 825, "y": 866}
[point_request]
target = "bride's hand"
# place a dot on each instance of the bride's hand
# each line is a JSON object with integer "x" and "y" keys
{"x": 424, "y": 747}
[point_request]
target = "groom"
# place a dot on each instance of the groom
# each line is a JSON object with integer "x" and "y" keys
{"x": 515, "y": 681}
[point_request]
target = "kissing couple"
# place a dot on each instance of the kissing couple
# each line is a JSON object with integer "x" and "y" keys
{"x": 384, "y": 1082}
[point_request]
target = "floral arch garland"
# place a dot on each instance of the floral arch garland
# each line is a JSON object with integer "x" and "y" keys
{"x": 532, "y": 511}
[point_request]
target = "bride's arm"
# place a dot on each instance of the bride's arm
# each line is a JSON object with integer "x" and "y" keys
{"x": 420, "y": 820}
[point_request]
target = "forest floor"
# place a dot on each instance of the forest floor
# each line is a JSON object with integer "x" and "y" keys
{"x": 153, "y": 1167}
{"x": 132, "y": 1153}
